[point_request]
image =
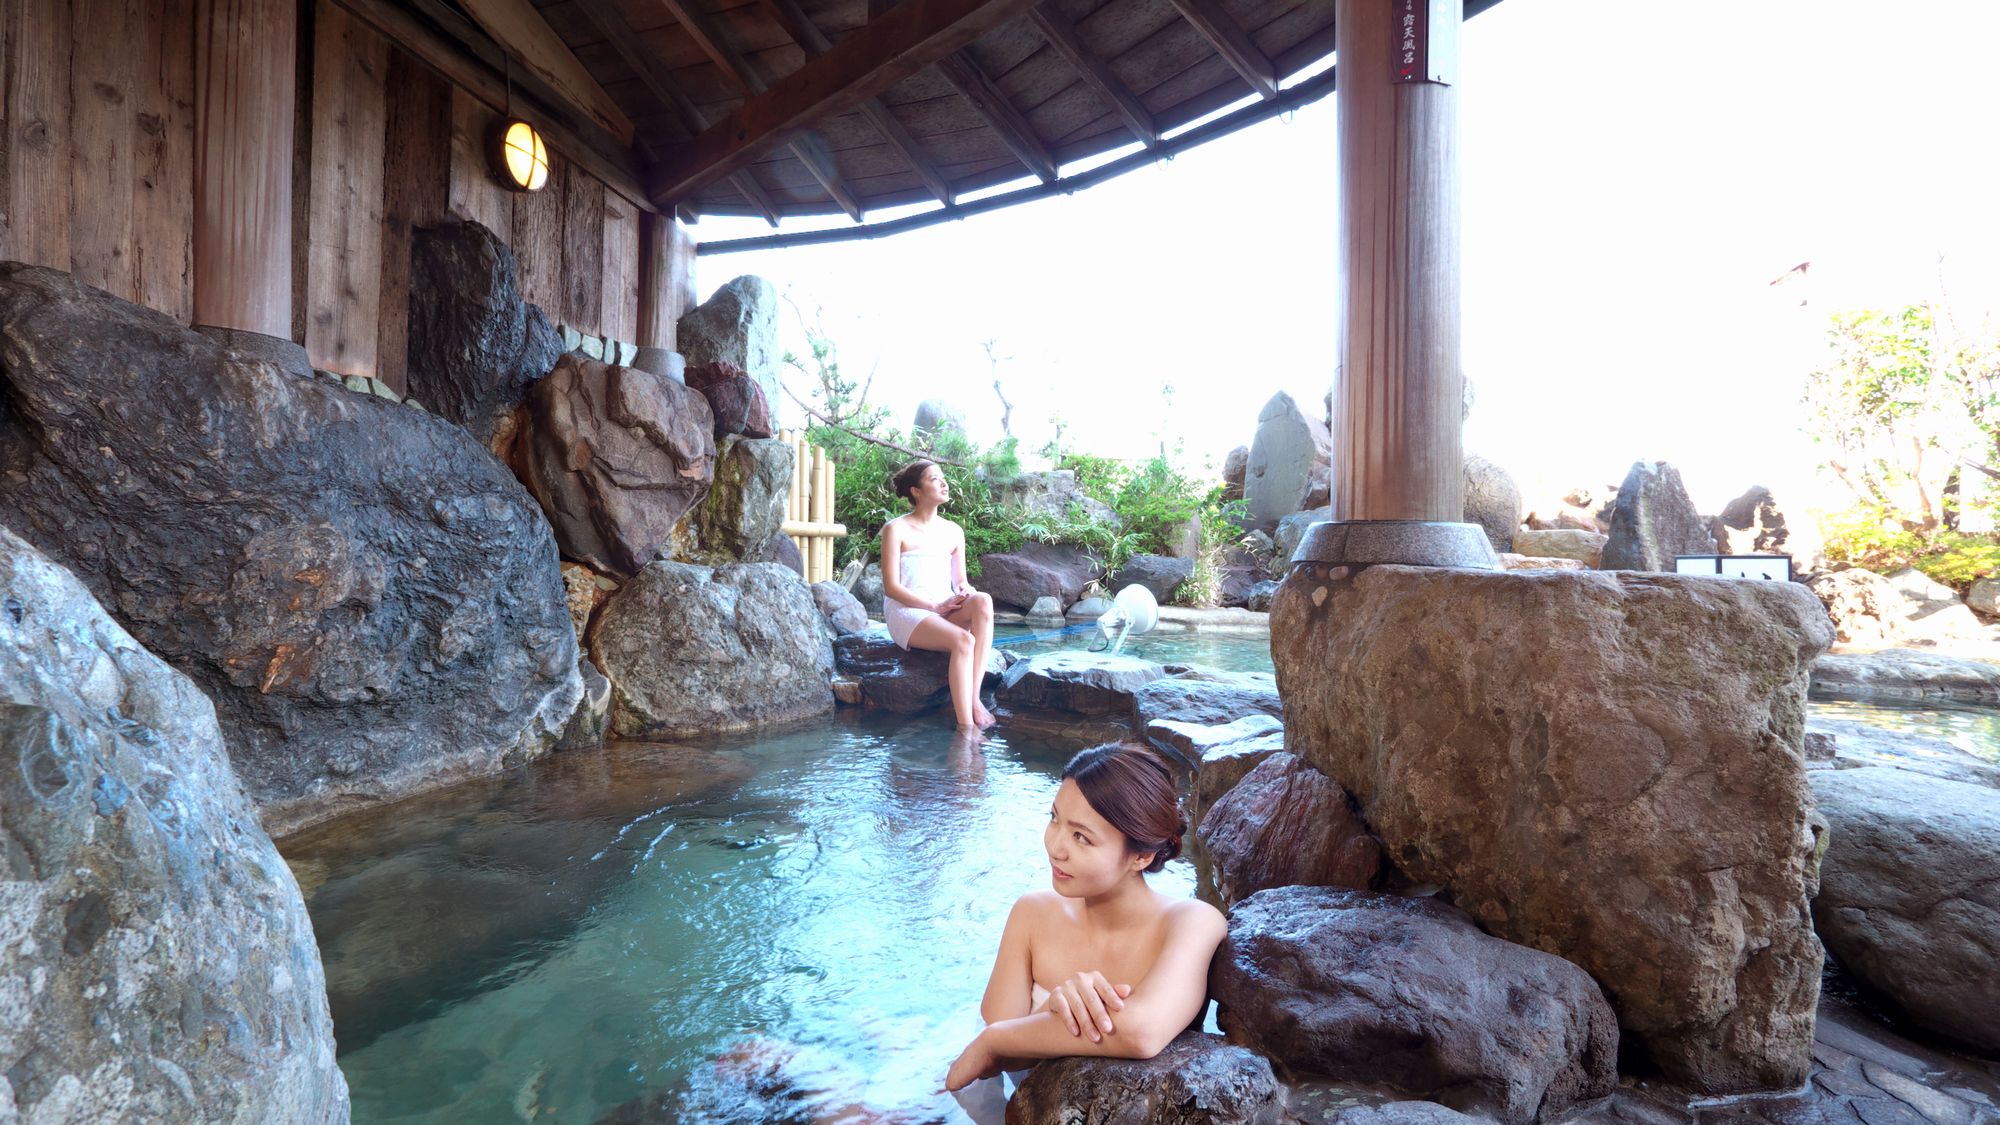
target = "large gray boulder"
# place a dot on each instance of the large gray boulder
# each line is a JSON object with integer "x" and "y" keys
{"x": 735, "y": 400}
{"x": 1193, "y": 742}
{"x": 738, "y": 325}
{"x": 935, "y": 415}
{"x": 369, "y": 598}
{"x": 1909, "y": 896}
{"x": 1854, "y": 745}
{"x": 898, "y": 680}
{"x": 1753, "y": 524}
{"x": 1587, "y": 760}
{"x": 1285, "y": 824}
{"x": 1226, "y": 761}
{"x": 1653, "y": 520}
{"x": 1492, "y": 501}
{"x": 474, "y": 344}
{"x": 1235, "y": 467}
{"x": 1081, "y": 683}
{"x": 690, "y": 650}
{"x": 868, "y": 589}
{"x": 1032, "y": 571}
{"x": 745, "y": 506}
{"x": 1053, "y": 496}
{"x": 1409, "y": 992}
{"x": 1289, "y": 459}
{"x": 1866, "y": 608}
{"x": 1161, "y": 575}
{"x": 841, "y": 609}
{"x": 617, "y": 457}
{"x": 1586, "y": 547}
{"x": 159, "y": 964}
{"x": 1204, "y": 695}
{"x": 1197, "y": 1080}
{"x": 1905, "y": 674}
{"x": 1291, "y": 529}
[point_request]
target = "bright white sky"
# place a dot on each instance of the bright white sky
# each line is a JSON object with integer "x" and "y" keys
{"x": 1635, "y": 176}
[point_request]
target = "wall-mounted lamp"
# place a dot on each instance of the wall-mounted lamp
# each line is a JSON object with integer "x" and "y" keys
{"x": 520, "y": 155}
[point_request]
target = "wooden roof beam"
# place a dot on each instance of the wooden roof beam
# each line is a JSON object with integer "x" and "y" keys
{"x": 814, "y": 43}
{"x": 518, "y": 27}
{"x": 603, "y": 15}
{"x": 862, "y": 65}
{"x": 818, "y": 161}
{"x": 1232, "y": 43}
{"x": 1061, "y": 34}
{"x": 999, "y": 114}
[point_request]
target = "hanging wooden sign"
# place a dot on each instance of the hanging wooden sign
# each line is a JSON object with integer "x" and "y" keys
{"x": 1425, "y": 44}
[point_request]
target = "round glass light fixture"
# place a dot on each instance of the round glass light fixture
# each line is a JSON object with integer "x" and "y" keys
{"x": 520, "y": 155}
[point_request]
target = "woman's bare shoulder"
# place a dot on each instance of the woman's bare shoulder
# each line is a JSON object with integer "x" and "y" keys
{"x": 1193, "y": 913}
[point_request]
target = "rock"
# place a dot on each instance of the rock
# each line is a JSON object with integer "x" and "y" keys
{"x": 1901, "y": 673}
{"x": 1197, "y": 1080}
{"x": 1866, "y": 608}
{"x": 1223, "y": 765}
{"x": 1493, "y": 501}
{"x": 1286, "y": 824}
{"x": 1088, "y": 609}
{"x": 1235, "y": 467}
{"x": 581, "y": 595}
{"x": 1289, "y": 451}
{"x": 1191, "y": 742}
{"x": 1242, "y": 570}
{"x": 1047, "y": 611}
{"x": 1653, "y": 520}
{"x": 1081, "y": 683}
{"x": 1922, "y": 595}
{"x": 1510, "y": 561}
{"x": 1852, "y": 745}
{"x": 691, "y": 650}
{"x": 1033, "y": 570}
{"x": 841, "y": 609}
{"x": 1909, "y": 897}
{"x": 1955, "y": 622}
{"x": 738, "y": 326}
{"x": 1752, "y": 524}
{"x": 1401, "y": 1113}
{"x": 1184, "y": 540}
{"x": 780, "y": 549}
{"x": 1051, "y": 496}
{"x": 1290, "y": 530}
{"x": 474, "y": 344}
{"x": 735, "y": 399}
{"x": 1584, "y": 546}
{"x": 1587, "y": 761}
{"x": 868, "y": 589}
{"x": 587, "y": 727}
{"x": 770, "y": 1082}
{"x": 935, "y": 415}
{"x": 745, "y": 506}
{"x": 617, "y": 456}
{"x": 1984, "y": 596}
{"x": 1260, "y": 597}
{"x": 1161, "y": 574}
{"x": 159, "y": 962}
{"x": 1206, "y": 696}
{"x": 895, "y": 680}
{"x": 368, "y": 597}
{"x": 1409, "y": 992}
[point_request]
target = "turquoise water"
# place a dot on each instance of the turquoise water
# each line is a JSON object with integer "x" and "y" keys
{"x": 720, "y": 926}
{"x": 1229, "y": 651}
{"x": 1973, "y": 729}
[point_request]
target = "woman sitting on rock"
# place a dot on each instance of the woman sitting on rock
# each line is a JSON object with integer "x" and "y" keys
{"x": 926, "y": 600}
{"x": 1100, "y": 964}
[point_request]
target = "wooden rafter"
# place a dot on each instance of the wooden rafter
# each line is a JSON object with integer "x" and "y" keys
{"x": 612, "y": 28}
{"x": 518, "y": 27}
{"x": 814, "y": 43}
{"x": 1061, "y": 34}
{"x": 862, "y": 65}
{"x": 999, "y": 114}
{"x": 1232, "y": 43}
{"x": 817, "y": 160}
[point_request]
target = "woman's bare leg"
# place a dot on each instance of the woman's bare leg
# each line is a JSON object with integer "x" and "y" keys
{"x": 976, "y": 617}
{"x": 935, "y": 634}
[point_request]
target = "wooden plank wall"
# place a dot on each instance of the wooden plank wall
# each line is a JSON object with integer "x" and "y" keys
{"x": 97, "y": 177}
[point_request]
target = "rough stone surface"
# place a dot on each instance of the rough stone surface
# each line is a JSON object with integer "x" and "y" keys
{"x": 738, "y": 326}
{"x": 1184, "y": 540}
{"x": 1409, "y": 992}
{"x": 592, "y": 720}
{"x": 158, "y": 961}
{"x": 1286, "y": 824}
{"x": 1852, "y": 745}
{"x": 1034, "y": 570}
{"x": 1511, "y": 561}
{"x": 1088, "y": 609}
{"x": 1290, "y": 450}
{"x": 1047, "y": 611}
{"x": 1259, "y": 600}
{"x": 1753, "y": 524}
{"x": 1204, "y": 695}
{"x": 780, "y": 549}
{"x": 1866, "y": 608}
{"x": 1922, "y": 594}
{"x": 905, "y": 682}
{"x": 734, "y": 399}
{"x": 1224, "y": 764}
{"x": 474, "y": 345}
{"x": 1588, "y": 761}
{"x": 1905, "y": 674}
{"x": 581, "y": 594}
{"x": 369, "y": 598}
{"x": 1050, "y": 495}
{"x": 1197, "y": 1080}
{"x": 1161, "y": 574}
{"x": 1584, "y": 546}
{"x": 1191, "y": 742}
{"x": 1082, "y": 683}
{"x": 841, "y": 609}
{"x": 1653, "y": 520}
{"x": 1493, "y": 501}
{"x": 1291, "y": 529}
{"x": 1984, "y": 596}
{"x": 1235, "y": 466}
{"x": 1242, "y": 571}
{"x": 691, "y": 650}
{"x": 868, "y": 589}
{"x": 1955, "y": 622}
{"x": 1909, "y": 896}
{"x": 935, "y": 415}
{"x": 617, "y": 456}
{"x": 745, "y": 506}
{"x": 1402, "y": 1113}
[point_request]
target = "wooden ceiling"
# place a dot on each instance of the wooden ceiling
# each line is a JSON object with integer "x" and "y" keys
{"x": 778, "y": 108}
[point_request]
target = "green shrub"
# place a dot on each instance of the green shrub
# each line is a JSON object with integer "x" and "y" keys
{"x": 863, "y": 501}
{"x": 1872, "y": 539}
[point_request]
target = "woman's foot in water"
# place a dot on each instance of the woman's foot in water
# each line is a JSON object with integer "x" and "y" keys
{"x": 983, "y": 717}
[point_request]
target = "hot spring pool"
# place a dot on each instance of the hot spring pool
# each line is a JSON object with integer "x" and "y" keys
{"x": 1232, "y": 651}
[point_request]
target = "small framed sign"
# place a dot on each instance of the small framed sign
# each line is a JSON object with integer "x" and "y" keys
{"x": 1425, "y": 44}
{"x": 1771, "y": 568}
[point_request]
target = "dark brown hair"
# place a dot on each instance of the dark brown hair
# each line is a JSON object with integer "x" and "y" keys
{"x": 1130, "y": 787}
{"x": 909, "y": 477}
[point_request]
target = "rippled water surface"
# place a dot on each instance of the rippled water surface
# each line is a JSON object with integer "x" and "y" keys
{"x": 1231, "y": 651}
{"x": 812, "y": 909}
{"x": 1976, "y": 729}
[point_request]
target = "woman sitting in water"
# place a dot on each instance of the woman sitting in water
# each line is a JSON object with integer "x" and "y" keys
{"x": 926, "y": 600}
{"x": 1100, "y": 964}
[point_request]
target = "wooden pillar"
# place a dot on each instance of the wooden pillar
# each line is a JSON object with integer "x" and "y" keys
{"x": 666, "y": 287}
{"x": 1397, "y": 398}
{"x": 245, "y": 64}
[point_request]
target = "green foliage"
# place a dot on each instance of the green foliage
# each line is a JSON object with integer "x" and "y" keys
{"x": 864, "y": 501}
{"x": 1960, "y": 560}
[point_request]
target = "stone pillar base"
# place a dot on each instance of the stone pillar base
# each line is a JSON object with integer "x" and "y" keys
{"x": 661, "y": 362}
{"x": 1404, "y": 542}
{"x": 271, "y": 349}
